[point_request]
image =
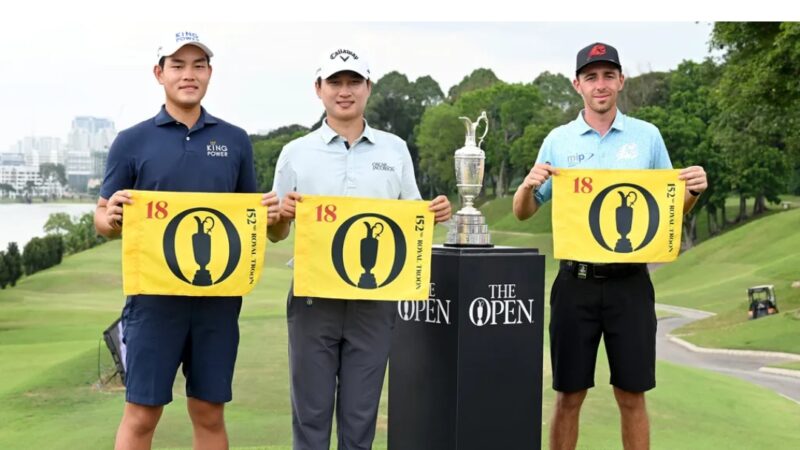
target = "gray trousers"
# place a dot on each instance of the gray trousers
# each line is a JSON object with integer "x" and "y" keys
{"x": 337, "y": 356}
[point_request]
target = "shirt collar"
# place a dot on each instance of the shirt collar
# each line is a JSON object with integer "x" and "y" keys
{"x": 328, "y": 134}
{"x": 163, "y": 118}
{"x": 581, "y": 127}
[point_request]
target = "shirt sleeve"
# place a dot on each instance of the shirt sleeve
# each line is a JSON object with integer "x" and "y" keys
{"x": 545, "y": 191}
{"x": 246, "y": 181}
{"x": 285, "y": 180}
{"x": 660, "y": 155}
{"x": 409, "y": 188}
{"x": 120, "y": 172}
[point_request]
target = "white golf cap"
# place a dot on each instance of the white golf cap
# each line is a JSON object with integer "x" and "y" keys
{"x": 342, "y": 59}
{"x": 173, "y": 42}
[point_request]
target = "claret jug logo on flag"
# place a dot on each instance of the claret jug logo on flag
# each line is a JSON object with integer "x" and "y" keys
{"x": 617, "y": 216}
{"x": 362, "y": 249}
{"x": 195, "y": 244}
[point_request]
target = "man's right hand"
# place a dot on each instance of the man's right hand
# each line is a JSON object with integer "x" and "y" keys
{"x": 538, "y": 175}
{"x": 113, "y": 211}
{"x": 289, "y": 205}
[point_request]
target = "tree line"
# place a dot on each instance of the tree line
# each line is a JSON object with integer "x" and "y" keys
{"x": 736, "y": 115}
{"x": 65, "y": 236}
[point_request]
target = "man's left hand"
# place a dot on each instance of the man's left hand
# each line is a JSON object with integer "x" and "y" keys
{"x": 440, "y": 207}
{"x": 695, "y": 177}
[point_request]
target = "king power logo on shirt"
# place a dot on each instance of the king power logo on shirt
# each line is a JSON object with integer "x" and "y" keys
{"x": 216, "y": 150}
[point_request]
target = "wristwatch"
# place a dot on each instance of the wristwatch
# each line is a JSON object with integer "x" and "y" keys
{"x": 694, "y": 193}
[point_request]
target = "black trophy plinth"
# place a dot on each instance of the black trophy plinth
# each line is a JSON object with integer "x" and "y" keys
{"x": 465, "y": 371}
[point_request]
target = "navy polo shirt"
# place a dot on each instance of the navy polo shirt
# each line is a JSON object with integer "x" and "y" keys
{"x": 162, "y": 154}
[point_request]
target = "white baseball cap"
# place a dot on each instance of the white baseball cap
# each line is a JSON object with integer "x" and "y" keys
{"x": 173, "y": 42}
{"x": 341, "y": 59}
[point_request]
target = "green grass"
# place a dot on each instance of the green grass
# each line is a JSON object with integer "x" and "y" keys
{"x": 51, "y": 323}
{"x": 715, "y": 275}
{"x": 732, "y": 207}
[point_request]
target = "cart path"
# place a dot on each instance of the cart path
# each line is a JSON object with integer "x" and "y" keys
{"x": 741, "y": 366}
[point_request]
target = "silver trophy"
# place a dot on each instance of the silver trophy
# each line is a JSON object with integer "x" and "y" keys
{"x": 469, "y": 227}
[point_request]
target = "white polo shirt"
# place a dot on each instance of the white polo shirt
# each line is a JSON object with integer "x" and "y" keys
{"x": 376, "y": 165}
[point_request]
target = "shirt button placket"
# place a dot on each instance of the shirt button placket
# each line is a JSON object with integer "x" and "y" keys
{"x": 350, "y": 182}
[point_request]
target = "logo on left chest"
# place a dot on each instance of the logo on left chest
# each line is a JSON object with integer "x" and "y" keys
{"x": 216, "y": 149}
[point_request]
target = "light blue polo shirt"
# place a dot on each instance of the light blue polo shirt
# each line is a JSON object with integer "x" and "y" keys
{"x": 376, "y": 165}
{"x": 630, "y": 143}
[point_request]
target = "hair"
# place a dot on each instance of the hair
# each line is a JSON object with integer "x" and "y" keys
{"x": 164, "y": 58}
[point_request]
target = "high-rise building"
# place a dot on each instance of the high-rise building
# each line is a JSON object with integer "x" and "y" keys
{"x": 40, "y": 149}
{"x": 88, "y": 137}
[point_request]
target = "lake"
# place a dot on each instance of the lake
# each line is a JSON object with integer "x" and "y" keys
{"x": 20, "y": 222}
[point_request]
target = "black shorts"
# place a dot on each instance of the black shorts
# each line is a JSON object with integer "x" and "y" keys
{"x": 622, "y": 310}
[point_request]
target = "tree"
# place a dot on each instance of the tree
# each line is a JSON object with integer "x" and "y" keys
{"x": 6, "y": 189}
{"x": 558, "y": 92}
{"x": 439, "y": 134}
{"x": 265, "y": 156}
{"x": 13, "y": 262}
{"x": 286, "y": 130}
{"x": 396, "y": 105}
{"x": 4, "y": 274}
{"x": 53, "y": 171}
{"x": 511, "y": 108}
{"x": 478, "y": 79}
{"x": 649, "y": 89}
{"x": 59, "y": 223}
{"x": 757, "y": 125}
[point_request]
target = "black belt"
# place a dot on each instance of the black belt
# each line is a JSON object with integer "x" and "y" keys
{"x": 584, "y": 270}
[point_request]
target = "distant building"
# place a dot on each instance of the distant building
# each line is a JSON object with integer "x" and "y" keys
{"x": 88, "y": 142}
{"x": 27, "y": 181}
{"x": 40, "y": 149}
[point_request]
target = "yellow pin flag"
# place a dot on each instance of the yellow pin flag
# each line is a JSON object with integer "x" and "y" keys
{"x": 617, "y": 216}
{"x": 195, "y": 244}
{"x": 362, "y": 249}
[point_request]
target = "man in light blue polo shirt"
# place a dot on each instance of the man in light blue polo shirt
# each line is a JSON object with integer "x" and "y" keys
{"x": 338, "y": 349}
{"x": 615, "y": 301}
{"x": 186, "y": 149}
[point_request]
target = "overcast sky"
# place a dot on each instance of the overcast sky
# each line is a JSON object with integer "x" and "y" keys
{"x": 263, "y": 72}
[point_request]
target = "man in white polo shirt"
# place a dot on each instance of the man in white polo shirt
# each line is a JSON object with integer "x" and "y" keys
{"x": 338, "y": 349}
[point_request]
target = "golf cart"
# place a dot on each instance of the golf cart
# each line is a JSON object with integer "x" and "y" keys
{"x": 762, "y": 301}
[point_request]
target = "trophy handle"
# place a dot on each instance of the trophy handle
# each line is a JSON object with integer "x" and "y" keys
{"x": 635, "y": 197}
{"x": 379, "y": 232}
{"x": 212, "y": 224}
{"x": 485, "y": 129}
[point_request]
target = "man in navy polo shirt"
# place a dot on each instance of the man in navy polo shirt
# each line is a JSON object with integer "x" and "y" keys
{"x": 183, "y": 148}
{"x": 615, "y": 301}
{"x": 338, "y": 348}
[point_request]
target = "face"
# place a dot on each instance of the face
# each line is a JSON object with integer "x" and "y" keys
{"x": 344, "y": 95}
{"x": 599, "y": 84}
{"x": 185, "y": 76}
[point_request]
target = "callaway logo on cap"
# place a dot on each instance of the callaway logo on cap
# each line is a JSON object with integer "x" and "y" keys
{"x": 342, "y": 59}
{"x": 597, "y": 52}
{"x": 173, "y": 42}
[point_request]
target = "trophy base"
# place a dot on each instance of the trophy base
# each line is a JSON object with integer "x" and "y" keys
{"x": 202, "y": 278}
{"x": 623, "y": 246}
{"x": 469, "y": 231}
{"x": 367, "y": 281}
